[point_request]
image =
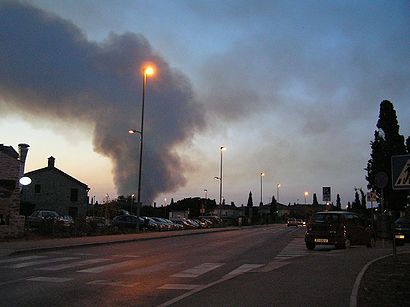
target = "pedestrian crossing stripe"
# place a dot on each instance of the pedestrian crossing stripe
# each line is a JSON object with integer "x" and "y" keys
{"x": 404, "y": 178}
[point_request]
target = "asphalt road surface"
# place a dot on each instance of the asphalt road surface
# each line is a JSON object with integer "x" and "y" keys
{"x": 264, "y": 266}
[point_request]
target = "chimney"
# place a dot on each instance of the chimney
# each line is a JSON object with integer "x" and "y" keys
{"x": 23, "y": 150}
{"x": 51, "y": 161}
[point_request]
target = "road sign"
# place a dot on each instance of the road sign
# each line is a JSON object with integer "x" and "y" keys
{"x": 326, "y": 194}
{"x": 371, "y": 196}
{"x": 400, "y": 169}
{"x": 381, "y": 180}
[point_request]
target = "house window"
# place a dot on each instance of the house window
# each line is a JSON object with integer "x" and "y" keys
{"x": 74, "y": 195}
{"x": 37, "y": 188}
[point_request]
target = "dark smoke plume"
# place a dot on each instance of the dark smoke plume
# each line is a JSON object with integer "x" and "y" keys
{"x": 49, "y": 69}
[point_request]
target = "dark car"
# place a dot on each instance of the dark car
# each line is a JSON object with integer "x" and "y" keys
{"x": 292, "y": 222}
{"x": 127, "y": 221}
{"x": 40, "y": 216}
{"x": 339, "y": 228}
{"x": 402, "y": 230}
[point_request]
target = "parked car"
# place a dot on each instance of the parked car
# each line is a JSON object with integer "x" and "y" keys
{"x": 292, "y": 222}
{"x": 97, "y": 222}
{"x": 66, "y": 221}
{"x": 301, "y": 222}
{"x": 402, "y": 230}
{"x": 339, "y": 228}
{"x": 152, "y": 224}
{"x": 40, "y": 216}
{"x": 127, "y": 221}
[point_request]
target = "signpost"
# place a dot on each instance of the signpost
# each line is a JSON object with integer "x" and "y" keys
{"x": 326, "y": 194}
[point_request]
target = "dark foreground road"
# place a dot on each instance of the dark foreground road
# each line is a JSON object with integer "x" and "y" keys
{"x": 267, "y": 266}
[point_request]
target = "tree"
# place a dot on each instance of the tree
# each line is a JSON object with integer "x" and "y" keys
{"x": 363, "y": 196}
{"x": 387, "y": 142}
{"x": 315, "y": 202}
{"x": 356, "y": 204}
{"x": 338, "y": 202}
{"x": 250, "y": 201}
{"x": 273, "y": 208}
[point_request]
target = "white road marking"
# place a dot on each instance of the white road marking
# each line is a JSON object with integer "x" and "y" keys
{"x": 49, "y": 279}
{"x": 39, "y": 262}
{"x": 72, "y": 265}
{"x": 197, "y": 288}
{"x": 112, "y": 283}
{"x": 21, "y": 259}
{"x": 108, "y": 267}
{"x": 179, "y": 287}
{"x": 296, "y": 248}
{"x": 272, "y": 266}
{"x": 198, "y": 270}
{"x": 153, "y": 268}
{"x": 243, "y": 269}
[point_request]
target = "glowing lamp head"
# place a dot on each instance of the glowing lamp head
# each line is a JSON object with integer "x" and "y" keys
{"x": 148, "y": 71}
{"x": 25, "y": 180}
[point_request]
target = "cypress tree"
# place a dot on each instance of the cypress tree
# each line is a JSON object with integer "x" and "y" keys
{"x": 250, "y": 201}
{"x": 387, "y": 142}
{"x": 338, "y": 202}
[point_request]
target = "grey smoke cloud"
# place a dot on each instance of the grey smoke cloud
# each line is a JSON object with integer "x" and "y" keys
{"x": 49, "y": 68}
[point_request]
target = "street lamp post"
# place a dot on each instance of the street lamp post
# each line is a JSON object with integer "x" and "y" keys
{"x": 306, "y": 195}
{"x": 132, "y": 202}
{"x": 147, "y": 71}
{"x": 221, "y": 149}
{"x": 262, "y": 175}
{"x": 277, "y": 192}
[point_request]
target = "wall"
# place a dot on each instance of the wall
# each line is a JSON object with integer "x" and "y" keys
{"x": 11, "y": 222}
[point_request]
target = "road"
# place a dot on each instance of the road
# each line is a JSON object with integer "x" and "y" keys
{"x": 264, "y": 266}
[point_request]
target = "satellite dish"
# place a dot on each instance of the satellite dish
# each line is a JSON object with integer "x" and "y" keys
{"x": 25, "y": 180}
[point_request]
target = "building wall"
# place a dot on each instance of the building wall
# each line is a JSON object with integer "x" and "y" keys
{"x": 11, "y": 222}
{"x": 56, "y": 193}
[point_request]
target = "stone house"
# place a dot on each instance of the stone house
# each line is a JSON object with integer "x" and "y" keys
{"x": 53, "y": 189}
{"x": 11, "y": 170}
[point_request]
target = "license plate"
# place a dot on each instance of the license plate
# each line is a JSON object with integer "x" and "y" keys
{"x": 321, "y": 240}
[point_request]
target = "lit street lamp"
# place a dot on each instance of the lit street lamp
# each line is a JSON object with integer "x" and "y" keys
{"x": 277, "y": 192}
{"x": 132, "y": 202}
{"x": 306, "y": 195}
{"x": 221, "y": 149}
{"x": 147, "y": 72}
{"x": 262, "y": 175}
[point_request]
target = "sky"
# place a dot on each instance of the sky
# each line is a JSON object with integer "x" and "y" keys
{"x": 290, "y": 88}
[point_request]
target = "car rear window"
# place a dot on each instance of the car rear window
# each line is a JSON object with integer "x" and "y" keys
{"x": 325, "y": 218}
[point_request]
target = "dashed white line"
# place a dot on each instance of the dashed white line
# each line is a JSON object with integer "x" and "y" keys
{"x": 198, "y": 270}
{"x": 38, "y": 262}
{"x": 108, "y": 267}
{"x": 49, "y": 279}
